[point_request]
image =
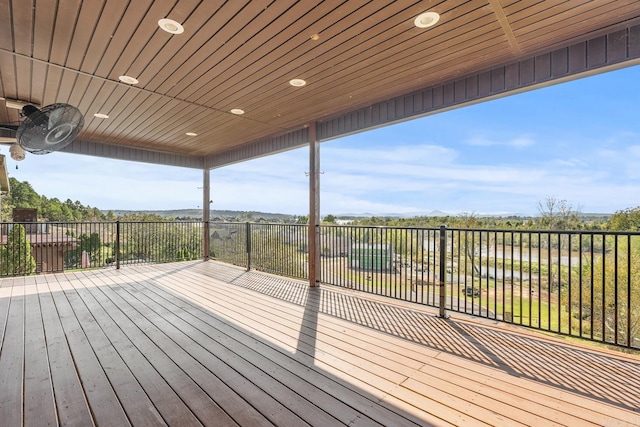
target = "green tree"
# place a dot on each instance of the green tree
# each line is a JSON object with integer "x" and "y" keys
{"x": 16, "y": 254}
{"x": 23, "y": 195}
{"x": 89, "y": 243}
{"x": 329, "y": 219}
{"x": 625, "y": 220}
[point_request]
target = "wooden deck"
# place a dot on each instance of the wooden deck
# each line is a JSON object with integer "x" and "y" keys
{"x": 202, "y": 343}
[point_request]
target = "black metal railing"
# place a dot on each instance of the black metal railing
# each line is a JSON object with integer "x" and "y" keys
{"x": 272, "y": 248}
{"x": 581, "y": 284}
{"x": 46, "y": 247}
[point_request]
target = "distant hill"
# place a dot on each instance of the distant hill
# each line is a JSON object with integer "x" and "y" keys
{"x": 215, "y": 214}
{"x": 231, "y": 215}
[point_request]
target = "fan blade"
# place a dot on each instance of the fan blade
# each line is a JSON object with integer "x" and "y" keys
{"x": 55, "y": 117}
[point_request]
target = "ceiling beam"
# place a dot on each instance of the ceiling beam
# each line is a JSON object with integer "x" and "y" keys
{"x": 504, "y": 23}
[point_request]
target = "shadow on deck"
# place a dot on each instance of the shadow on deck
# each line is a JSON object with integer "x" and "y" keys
{"x": 574, "y": 368}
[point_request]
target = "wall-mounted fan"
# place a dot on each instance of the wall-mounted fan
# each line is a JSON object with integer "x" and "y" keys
{"x": 47, "y": 129}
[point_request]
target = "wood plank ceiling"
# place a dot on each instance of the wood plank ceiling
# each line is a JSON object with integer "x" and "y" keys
{"x": 242, "y": 54}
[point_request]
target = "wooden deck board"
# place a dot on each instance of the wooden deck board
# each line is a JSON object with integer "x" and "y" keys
{"x": 175, "y": 368}
{"x": 281, "y": 367}
{"x": 242, "y": 358}
{"x": 165, "y": 400}
{"x": 71, "y": 403}
{"x": 39, "y": 402}
{"x": 203, "y": 343}
{"x": 12, "y": 358}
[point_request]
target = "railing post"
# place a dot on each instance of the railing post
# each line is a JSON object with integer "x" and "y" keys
{"x": 117, "y": 245}
{"x": 206, "y": 247}
{"x": 248, "y": 245}
{"x": 443, "y": 270}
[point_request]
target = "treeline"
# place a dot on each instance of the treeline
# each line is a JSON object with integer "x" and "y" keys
{"x": 554, "y": 214}
{"x": 22, "y": 195}
{"x": 623, "y": 220}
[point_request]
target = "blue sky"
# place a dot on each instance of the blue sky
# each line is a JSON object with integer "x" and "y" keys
{"x": 578, "y": 141}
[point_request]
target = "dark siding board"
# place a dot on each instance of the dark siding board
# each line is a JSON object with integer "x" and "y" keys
{"x": 398, "y": 110}
{"x": 407, "y": 107}
{"x": 596, "y": 52}
{"x": 527, "y": 72}
{"x": 448, "y": 94}
{"x": 460, "y": 91}
{"x": 124, "y": 153}
{"x": 577, "y": 57}
{"x": 471, "y": 87}
{"x": 484, "y": 84}
{"x": 362, "y": 118}
{"x": 438, "y": 97}
{"x": 383, "y": 112}
{"x": 617, "y": 46}
{"x": 261, "y": 148}
{"x": 542, "y": 68}
{"x": 559, "y": 63}
{"x": 322, "y": 130}
{"x": 512, "y": 76}
{"x": 634, "y": 41}
{"x": 375, "y": 115}
{"x": 353, "y": 121}
{"x": 497, "y": 80}
{"x": 418, "y": 102}
{"x": 427, "y": 99}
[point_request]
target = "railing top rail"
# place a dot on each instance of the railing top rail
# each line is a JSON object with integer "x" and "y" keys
{"x": 437, "y": 228}
{"x": 173, "y": 221}
{"x": 543, "y": 231}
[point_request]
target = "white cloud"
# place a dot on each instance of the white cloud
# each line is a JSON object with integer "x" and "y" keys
{"x": 517, "y": 142}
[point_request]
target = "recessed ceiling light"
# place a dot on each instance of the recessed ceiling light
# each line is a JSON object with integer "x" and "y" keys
{"x": 237, "y": 111}
{"x": 426, "y": 20}
{"x": 101, "y": 116}
{"x": 191, "y": 134}
{"x": 297, "y": 82}
{"x": 128, "y": 80}
{"x": 171, "y": 26}
{"x": 315, "y": 37}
